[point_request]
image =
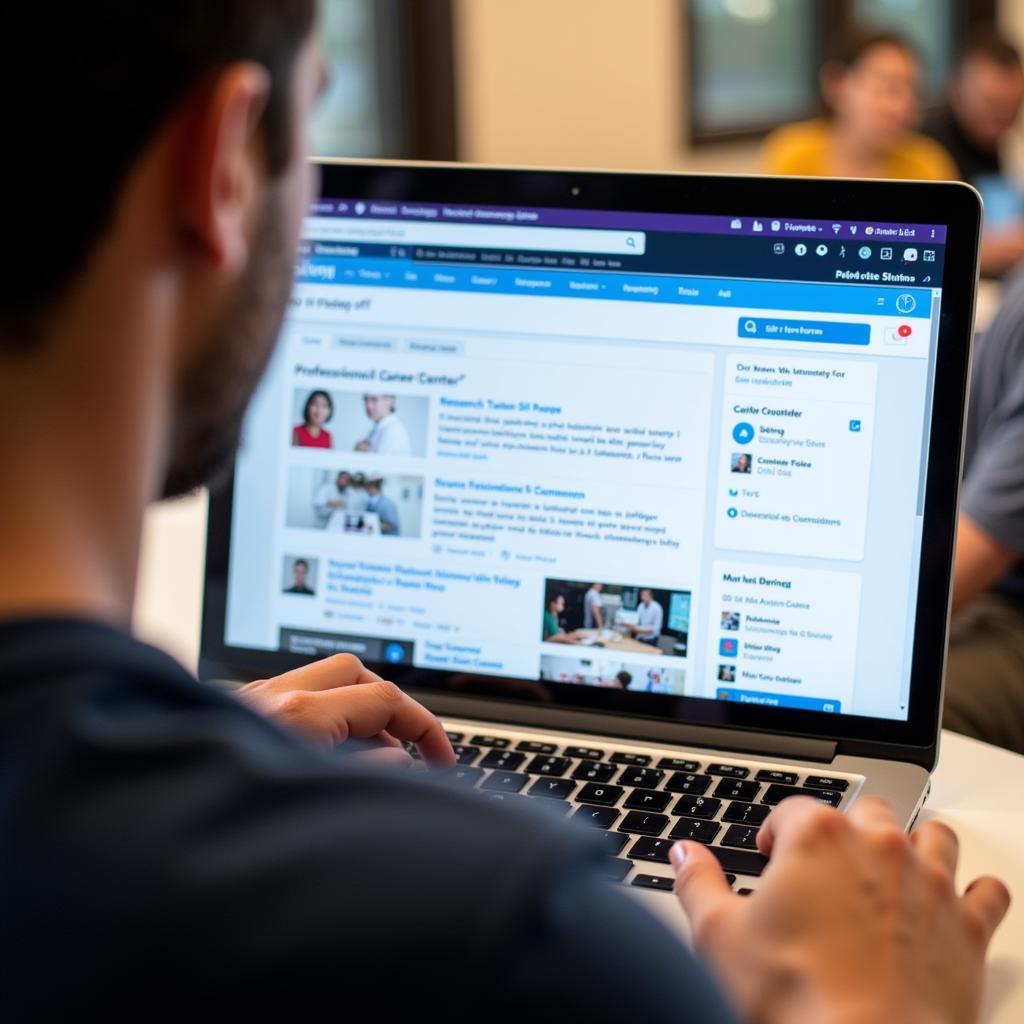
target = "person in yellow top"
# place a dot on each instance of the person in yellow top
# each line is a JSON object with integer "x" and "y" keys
{"x": 872, "y": 92}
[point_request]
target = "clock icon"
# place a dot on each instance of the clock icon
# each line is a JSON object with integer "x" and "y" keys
{"x": 906, "y": 303}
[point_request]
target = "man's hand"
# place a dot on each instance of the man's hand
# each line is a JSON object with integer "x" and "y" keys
{"x": 339, "y": 698}
{"x": 853, "y": 921}
{"x": 362, "y": 446}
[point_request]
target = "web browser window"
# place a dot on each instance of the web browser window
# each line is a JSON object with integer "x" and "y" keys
{"x": 664, "y": 453}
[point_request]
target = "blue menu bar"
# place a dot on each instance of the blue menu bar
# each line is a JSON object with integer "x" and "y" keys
{"x": 692, "y": 291}
{"x": 780, "y": 700}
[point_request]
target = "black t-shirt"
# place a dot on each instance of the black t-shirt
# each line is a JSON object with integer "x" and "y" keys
{"x": 164, "y": 850}
{"x": 971, "y": 160}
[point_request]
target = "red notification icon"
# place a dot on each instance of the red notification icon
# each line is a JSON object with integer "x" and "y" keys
{"x": 904, "y": 330}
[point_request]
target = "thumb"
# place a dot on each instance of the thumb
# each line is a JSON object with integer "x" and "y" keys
{"x": 701, "y": 887}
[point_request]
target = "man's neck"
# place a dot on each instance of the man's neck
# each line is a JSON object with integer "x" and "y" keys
{"x": 79, "y": 459}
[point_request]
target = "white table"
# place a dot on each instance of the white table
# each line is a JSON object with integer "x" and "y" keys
{"x": 977, "y": 789}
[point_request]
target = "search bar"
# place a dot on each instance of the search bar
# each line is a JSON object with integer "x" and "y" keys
{"x": 476, "y": 236}
{"x": 826, "y": 332}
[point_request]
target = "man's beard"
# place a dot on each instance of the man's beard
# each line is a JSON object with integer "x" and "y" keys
{"x": 213, "y": 393}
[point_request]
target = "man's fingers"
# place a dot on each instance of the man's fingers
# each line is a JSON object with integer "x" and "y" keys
{"x": 337, "y": 670}
{"x": 873, "y": 812}
{"x": 986, "y": 900}
{"x": 937, "y": 843}
{"x": 366, "y": 709}
{"x": 701, "y": 887}
{"x": 385, "y": 757}
{"x": 789, "y": 819}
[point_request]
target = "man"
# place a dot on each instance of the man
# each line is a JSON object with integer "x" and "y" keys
{"x": 983, "y": 106}
{"x": 300, "y": 574}
{"x": 388, "y": 436}
{"x": 338, "y": 495}
{"x": 551, "y": 626}
{"x": 593, "y": 616}
{"x": 386, "y": 510}
{"x": 650, "y": 617}
{"x": 167, "y": 848}
{"x": 985, "y": 666}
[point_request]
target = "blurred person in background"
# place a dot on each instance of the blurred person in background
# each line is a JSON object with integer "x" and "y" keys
{"x": 981, "y": 109}
{"x": 871, "y": 89}
{"x": 985, "y": 665}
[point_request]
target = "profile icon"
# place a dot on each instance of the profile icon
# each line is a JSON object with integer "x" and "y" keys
{"x": 741, "y": 462}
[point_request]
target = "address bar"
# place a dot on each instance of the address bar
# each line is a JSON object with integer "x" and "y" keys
{"x": 476, "y": 236}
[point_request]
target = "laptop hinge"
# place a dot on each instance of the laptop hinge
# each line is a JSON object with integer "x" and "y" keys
{"x": 627, "y": 728}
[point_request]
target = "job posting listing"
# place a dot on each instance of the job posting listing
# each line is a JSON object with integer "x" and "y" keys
{"x": 603, "y": 492}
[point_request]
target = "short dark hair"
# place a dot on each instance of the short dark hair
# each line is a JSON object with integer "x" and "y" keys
{"x": 989, "y": 43}
{"x": 117, "y": 69}
{"x": 851, "y": 46}
{"x": 300, "y": 561}
{"x": 309, "y": 401}
{"x": 625, "y": 678}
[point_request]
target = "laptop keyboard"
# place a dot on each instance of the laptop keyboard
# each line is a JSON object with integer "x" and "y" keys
{"x": 641, "y": 802}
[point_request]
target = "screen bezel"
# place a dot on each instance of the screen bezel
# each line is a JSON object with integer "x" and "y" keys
{"x": 955, "y": 205}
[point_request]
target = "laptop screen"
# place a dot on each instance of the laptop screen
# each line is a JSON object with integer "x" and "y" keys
{"x": 671, "y": 454}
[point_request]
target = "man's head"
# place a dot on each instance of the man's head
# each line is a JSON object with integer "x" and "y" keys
{"x": 344, "y": 480}
{"x": 597, "y": 587}
{"x": 987, "y": 90}
{"x": 187, "y": 122}
{"x": 374, "y": 486}
{"x": 379, "y": 406}
{"x": 646, "y": 596}
{"x": 871, "y": 83}
{"x": 556, "y": 603}
{"x": 300, "y": 571}
{"x": 623, "y": 678}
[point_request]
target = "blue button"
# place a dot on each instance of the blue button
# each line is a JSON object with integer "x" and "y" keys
{"x": 822, "y": 332}
{"x": 731, "y": 513}
{"x": 855, "y": 426}
{"x": 743, "y": 433}
{"x": 779, "y": 700}
{"x": 394, "y": 653}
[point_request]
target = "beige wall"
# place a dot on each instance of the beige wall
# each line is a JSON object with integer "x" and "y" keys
{"x": 592, "y": 83}
{"x": 584, "y": 83}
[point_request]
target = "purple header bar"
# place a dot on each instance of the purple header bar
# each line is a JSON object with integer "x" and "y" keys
{"x": 771, "y": 227}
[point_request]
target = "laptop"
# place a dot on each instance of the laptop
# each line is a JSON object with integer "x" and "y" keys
{"x": 646, "y": 484}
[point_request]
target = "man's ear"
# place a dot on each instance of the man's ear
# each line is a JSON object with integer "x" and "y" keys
{"x": 224, "y": 166}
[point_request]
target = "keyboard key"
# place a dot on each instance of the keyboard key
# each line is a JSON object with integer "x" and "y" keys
{"x": 597, "y": 817}
{"x": 616, "y": 869}
{"x": 731, "y": 879}
{"x": 606, "y": 796}
{"x": 640, "y": 760}
{"x": 554, "y": 766}
{"x": 643, "y": 823}
{"x": 505, "y": 759}
{"x": 772, "y": 775}
{"x": 455, "y": 737}
{"x": 614, "y": 842}
{"x": 826, "y": 782}
{"x": 650, "y": 849}
{"x": 465, "y": 774}
{"x": 587, "y": 753}
{"x": 647, "y": 800}
{"x": 595, "y": 771}
{"x": 746, "y": 814}
{"x": 695, "y": 829}
{"x": 500, "y": 742}
{"x": 677, "y": 764}
{"x": 742, "y": 836}
{"x": 535, "y": 747}
{"x": 737, "y": 789}
{"x": 465, "y": 755}
{"x": 554, "y": 789}
{"x": 697, "y": 807}
{"x": 739, "y": 862}
{"x": 687, "y": 782}
{"x": 776, "y": 794}
{"x": 645, "y": 778}
{"x": 505, "y": 782}
{"x": 654, "y": 882}
{"x": 507, "y": 798}
{"x": 732, "y": 770}
{"x": 744, "y": 892}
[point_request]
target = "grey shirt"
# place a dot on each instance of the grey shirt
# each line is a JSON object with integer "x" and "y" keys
{"x": 993, "y": 490}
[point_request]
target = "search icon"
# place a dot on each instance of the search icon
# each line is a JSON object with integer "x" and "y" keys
{"x": 749, "y": 327}
{"x": 630, "y": 241}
